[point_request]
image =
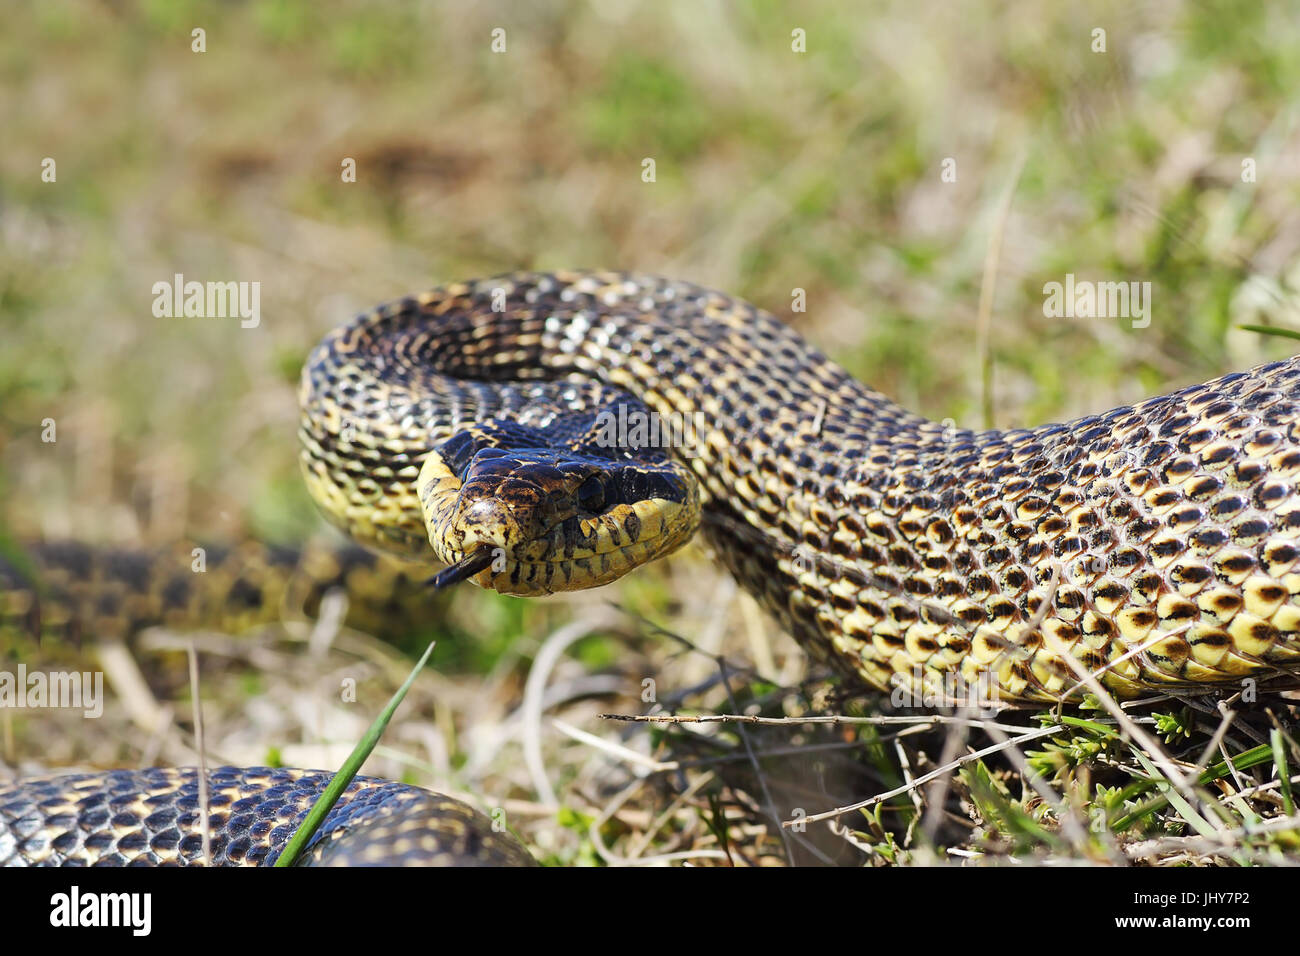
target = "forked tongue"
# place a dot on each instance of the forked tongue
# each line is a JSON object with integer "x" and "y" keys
{"x": 468, "y": 566}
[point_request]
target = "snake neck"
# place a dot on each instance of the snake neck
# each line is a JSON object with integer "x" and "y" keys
{"x": 1152, "y": 546}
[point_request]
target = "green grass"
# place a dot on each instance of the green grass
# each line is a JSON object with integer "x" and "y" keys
{"x": 292, "y": 851}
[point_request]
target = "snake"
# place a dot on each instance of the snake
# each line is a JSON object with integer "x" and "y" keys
{"x": 540, "y": 432}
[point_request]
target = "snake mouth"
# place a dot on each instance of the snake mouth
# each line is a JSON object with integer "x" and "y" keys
{"x": 607, "y": 547}
{"x": 534, "y": 521}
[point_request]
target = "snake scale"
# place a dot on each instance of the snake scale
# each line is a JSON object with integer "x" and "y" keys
{"x": 1148, "y": 549}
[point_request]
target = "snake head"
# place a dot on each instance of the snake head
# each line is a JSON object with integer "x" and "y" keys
{"x": 531, "y": 511}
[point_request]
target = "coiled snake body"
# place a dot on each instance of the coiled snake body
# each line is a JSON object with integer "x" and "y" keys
{"x": 152, "y": 817}
{"x": 1150, "y": 548}
{"x": 1155, "y": 545}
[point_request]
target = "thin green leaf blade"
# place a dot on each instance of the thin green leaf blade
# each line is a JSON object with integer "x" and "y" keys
{"x": 330, "y": 795}
{"x": 1283, "y": 771}
{"x": 1272, "y": 330}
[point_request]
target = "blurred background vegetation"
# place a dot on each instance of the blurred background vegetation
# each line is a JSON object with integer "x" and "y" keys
{"x": 776, "y": 170}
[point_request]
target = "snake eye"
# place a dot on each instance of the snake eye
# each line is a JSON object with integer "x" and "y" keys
{"x": 591, "y": 494}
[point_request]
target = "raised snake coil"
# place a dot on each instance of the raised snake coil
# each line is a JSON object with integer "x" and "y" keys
{"x": 1150, "y": 548}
